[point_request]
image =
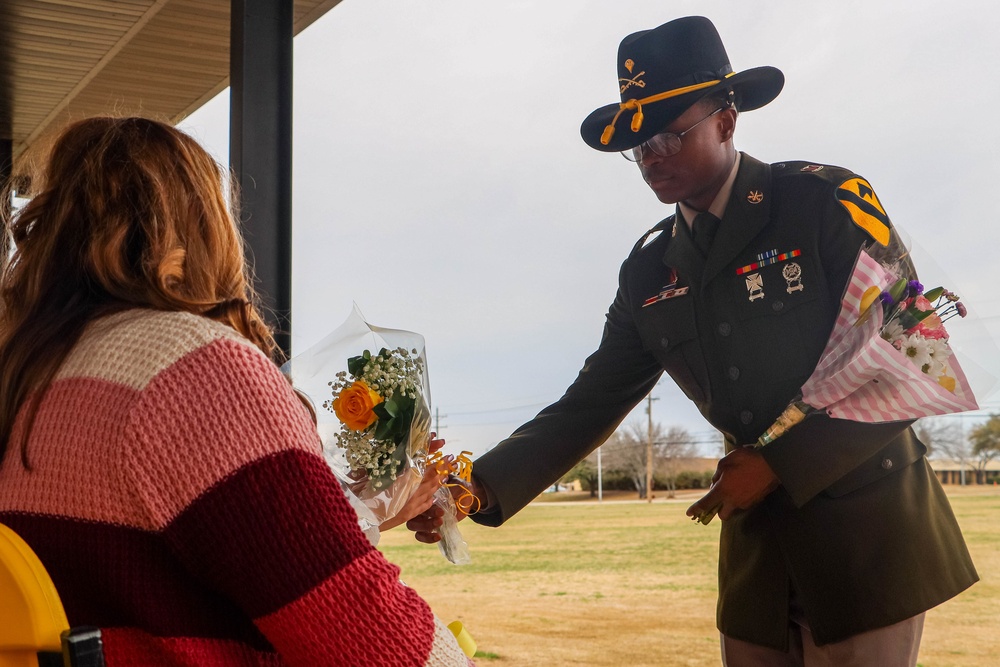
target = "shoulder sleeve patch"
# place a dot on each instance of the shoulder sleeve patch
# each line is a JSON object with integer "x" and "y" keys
{"x": 858, "y": 198}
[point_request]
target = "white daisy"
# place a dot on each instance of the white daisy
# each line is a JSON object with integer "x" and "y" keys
{"x": 940, "y": 349}
{"x": 917, "y": 349}
{"x": 893, "y": 331}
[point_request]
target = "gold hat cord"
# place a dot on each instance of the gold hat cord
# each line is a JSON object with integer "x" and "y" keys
{"x": 636, "y": 104}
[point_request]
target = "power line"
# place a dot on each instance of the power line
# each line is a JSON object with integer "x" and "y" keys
{"x": 495, "y": 410}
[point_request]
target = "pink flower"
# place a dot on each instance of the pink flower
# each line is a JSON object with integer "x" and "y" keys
{"x": 923, "y": 304}
{"x": 932, "y": 321}
{"x": 932, "y": 332}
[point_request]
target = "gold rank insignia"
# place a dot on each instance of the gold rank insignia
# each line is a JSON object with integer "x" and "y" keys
{"x": 858, "y": 198}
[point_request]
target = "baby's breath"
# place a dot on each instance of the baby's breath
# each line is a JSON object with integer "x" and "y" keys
{"x": 388, "y": 373}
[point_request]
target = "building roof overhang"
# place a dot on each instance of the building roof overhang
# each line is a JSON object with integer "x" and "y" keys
{"x": 62, "y": 60}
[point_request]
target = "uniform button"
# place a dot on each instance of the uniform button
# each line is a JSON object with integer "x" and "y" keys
{"x": 778, "y": 305}
{"x": 725, "y": 329}
{"x": 746, "y": 417}
{"x": 886, "y": 463}
{"x": 734, "y": 373}
{"x": 665, "y": 342}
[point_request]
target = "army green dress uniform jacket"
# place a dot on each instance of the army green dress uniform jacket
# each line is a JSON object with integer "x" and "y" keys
{"x": 859, "y": 526}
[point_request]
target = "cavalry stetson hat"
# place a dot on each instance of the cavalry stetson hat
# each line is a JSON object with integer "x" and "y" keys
{"x": 662, "y": 72}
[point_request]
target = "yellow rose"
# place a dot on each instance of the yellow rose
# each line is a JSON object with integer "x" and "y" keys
{"x": 354, "y": 406}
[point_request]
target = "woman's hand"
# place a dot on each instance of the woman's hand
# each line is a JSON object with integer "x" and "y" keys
{"x": 423, "y": 498}
{"x": 425, "y": 525}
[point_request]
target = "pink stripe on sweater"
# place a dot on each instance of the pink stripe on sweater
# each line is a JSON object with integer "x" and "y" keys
{"x": 215, "y": 410}
{"x": 75, "y": 454}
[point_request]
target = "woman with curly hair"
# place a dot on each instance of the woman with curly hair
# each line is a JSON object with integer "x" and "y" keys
{"x": 153, "y": 455}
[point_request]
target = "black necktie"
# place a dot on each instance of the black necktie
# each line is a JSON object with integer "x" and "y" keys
{"x": 703, "y": 231}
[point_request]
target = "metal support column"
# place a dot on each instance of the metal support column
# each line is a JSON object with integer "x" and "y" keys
{"x": 6, "y": 170}
{"x": 260, "y": 147}
{"x": 6, "y": 162}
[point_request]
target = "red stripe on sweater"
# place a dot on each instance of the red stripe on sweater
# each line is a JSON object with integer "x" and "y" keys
{"x": 111, "y": 576}
{"x": 127, "y": 647}
{"x": 270, "y": 532}
{"x": 400, "y": 633}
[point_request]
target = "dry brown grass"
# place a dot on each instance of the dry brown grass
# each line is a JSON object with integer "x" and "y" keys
{"x": 628, "y": 583}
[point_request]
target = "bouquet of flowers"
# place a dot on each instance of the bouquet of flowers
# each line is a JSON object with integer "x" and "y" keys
{"x": 377, "y": 408}
{"x": 376, "y": 421}
{"x": 888, "y": 357}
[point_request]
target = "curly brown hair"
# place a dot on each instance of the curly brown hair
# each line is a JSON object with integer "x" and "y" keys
{"x": 128, "y": 213}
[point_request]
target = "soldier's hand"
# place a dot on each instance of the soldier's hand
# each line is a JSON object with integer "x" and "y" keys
{"x": 425, "y": 524}
{"x": 742, "y": 480}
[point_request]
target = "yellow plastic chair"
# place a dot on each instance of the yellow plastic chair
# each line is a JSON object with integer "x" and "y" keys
{"x": 34, "y": 631}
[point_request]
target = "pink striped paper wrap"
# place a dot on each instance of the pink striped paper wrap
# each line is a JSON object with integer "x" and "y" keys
{"x": 862, "y": 377}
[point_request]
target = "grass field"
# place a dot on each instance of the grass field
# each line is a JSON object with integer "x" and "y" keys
{"x": 630, "y": 583}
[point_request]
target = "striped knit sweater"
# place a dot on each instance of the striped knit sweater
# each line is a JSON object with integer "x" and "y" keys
{"x": 180, "y": 502}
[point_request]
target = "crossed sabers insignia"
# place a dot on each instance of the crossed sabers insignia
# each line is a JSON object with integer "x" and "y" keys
{"x": 634, "y": 81}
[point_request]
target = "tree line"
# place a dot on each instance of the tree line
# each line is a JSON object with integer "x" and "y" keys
{"x": 624, "y": 455}
{"x": 947, "y": 439}
{"x": 624, "y": 459}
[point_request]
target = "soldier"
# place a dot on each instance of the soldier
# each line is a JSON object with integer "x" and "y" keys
{"x": 837, "y": 537}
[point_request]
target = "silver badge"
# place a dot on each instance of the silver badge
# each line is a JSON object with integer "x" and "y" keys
{"x": 755, "y": 286}
{"x": 793, "y": 276}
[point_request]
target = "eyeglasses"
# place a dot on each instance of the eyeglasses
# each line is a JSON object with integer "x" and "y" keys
{"x": 664, "y": 144}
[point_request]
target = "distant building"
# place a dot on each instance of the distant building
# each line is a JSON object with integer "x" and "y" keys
{"x": 698, "y": 464}
{"x": 575, "y": 485}
{"x": 950, "y": 471}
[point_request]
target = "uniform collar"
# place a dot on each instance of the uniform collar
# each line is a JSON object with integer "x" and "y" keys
{"x": 718, "y": 206}
{"x": 748, "y": 202}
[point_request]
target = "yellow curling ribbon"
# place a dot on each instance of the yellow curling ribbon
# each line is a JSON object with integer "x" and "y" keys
{"x": 440, "y": 465}
{"x": 465, "y": 640}
{"x": 460, "y": 467}
{"x": 463, "y": 466}
{"x": 636, "y": 104}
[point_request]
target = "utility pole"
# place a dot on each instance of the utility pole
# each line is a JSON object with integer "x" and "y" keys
{"x": 963, "y": 450}
{"x": 600, "y": 485}
{"x": 437, "y": 421}
{"x": 649, "y": 448}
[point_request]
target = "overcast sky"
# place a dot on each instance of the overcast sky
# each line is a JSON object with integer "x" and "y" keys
{"x": 441, "y": 183}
